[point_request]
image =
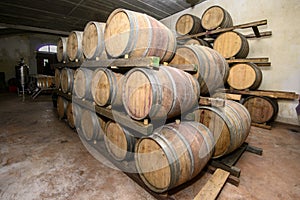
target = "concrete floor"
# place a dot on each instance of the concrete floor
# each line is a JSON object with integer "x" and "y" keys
{"x": 42, "y": 158}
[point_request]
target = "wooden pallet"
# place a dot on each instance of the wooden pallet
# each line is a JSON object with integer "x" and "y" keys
{"x": 227, "y": 162}
{"x": 140, "y": 127}
{"x": 253, "y": 25}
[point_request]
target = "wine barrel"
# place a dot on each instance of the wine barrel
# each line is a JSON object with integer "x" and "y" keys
{"x": 216, "y": 17}
{"x": 62, "y": 49}
{"x": 74, "y": 46}
{"x": 67, "y": 79}
{"x": 230, "y": 125}
{"x": 57, "y": 77}
{"x": 77, "y": 111}
{"x": 138, "y": 35}
{"x": 119, "y": 142}
{"x": 82, "y": 83}
{"x": 173, "y": 154}
{"x": 166, "y": 92}
{"x": 212, "y": 69}
{"x": 93, "y": 45}
{"x": 195, "y": 41}
{"x": 188, "y": 24}
{"x": 244, "y": 76}
{"x": 91, "y": 126}
{"x": 61, "y": 107}
{"x": 107, "y": 87}
{"x": 70, "y": 115}
{"x": 232, "y": 44}
{"x": 261, "y": 109}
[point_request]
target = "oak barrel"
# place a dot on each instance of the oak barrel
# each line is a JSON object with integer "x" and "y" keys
{"x": 162, "y": 93}
{"x": 106, "y": 87}
{"x": 244, "y": 76}
{"x": 261, "y": 109}
{"x": 212, "y": 69}
{"x": 232, "y": 44}
{"x": 67, "y": 80}
{"x": 82, "y": 83}
{"x": 230, "y": 125}
{"x": 119, "y": 142}
{"x": 91, "y": 125}
{"x": 76, "y": 111}
{"x": 61, "y": 107}
{"x": 57, "y": 77}
{"x": 173, "y": 154}
{"x": 93, "y": 40}
{"x": 138, "y": 35}
{"x": 70, "y": 115}
{"x": 62, "y": 49}
{"x": 74, "y": 46}
{"x": 194, "y": 41}
{"x": 188, "y": 24}
{"x": 216, "y": 17}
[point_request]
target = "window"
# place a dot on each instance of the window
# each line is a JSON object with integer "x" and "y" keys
{"x": 48, "y": 48}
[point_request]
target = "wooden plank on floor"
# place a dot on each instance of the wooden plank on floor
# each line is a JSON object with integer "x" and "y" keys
{"x": 231, "y": 179}
{"x": 213, "y": 186}
{"x": 265, "y": 126}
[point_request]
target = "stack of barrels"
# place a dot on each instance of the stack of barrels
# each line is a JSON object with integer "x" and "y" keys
{"x": 230, "y": 45}
{"x": 175, "y": 152}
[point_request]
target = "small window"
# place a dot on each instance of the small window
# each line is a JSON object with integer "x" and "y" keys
{"x": 46, "y": 61}
{"x": 48, "y": 48}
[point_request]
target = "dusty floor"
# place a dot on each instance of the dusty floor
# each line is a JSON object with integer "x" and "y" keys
{"x": 42, "y": 158}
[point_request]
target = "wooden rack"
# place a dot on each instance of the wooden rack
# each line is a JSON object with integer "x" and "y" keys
{"x": 253, "y": 25}
{"x": 260, "y": 62}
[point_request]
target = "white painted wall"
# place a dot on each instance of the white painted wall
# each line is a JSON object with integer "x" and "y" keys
{"x": 283, "y": 47}
{"x": 13, "y": 47}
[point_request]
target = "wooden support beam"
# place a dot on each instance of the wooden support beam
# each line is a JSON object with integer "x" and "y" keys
{"x": 267, "y": 93}
{"x": 264, "y": 126}
{"x": 213, "y": 186}
{"x": 261, "y": 62}
{"x": 221, "y": 30}
{"x": 215, "y": 102}
{"x": 256, "y": 31}
{"x": 262, "y": 34}
{"x": 124, "y": 62}
{"x": 193, "y": 68}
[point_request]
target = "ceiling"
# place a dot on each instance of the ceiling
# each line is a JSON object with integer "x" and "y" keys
{"x": 62, "y": 16}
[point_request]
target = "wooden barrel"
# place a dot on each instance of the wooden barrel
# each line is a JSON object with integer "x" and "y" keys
{"x": 232, "y": 44}
{"x": 74, "y": 46}
{"x": 162, "y": 93}
{"x": 62, "y": 49}
{"x": 173, "y": 154}
{"x": 261, "y": 109}
{"x": 82, "y": 83}
{"x": 61, "y": 107}
{"x": 91, "y": 126}
{"x": 194, "y": 41}
{"x": 216, "y": 17}
{"x": 67, "y": 79}
{"x": 70, "y": 115}
{"x": 57, "y": 78}
{"x": 76, "y": 111}
{"x": 119, "y": 142}
{"x": 106, "y": 87}
{"x": 138, "y": 35}
{"x": 93, "y": 40}
{"x": 230, "y": 125}
{"x": 188, "y": 24}
{"x": 244, "y": 76}
{"x": 212, "y": 69}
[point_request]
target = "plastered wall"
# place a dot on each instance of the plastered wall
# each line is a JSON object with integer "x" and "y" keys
{"x": 13, "y": 47}
{"x": 283, "y": 47}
